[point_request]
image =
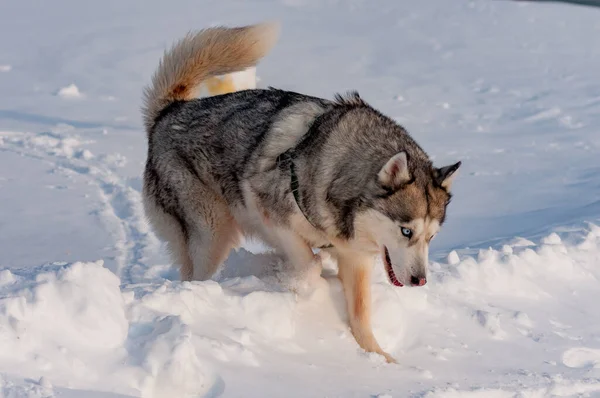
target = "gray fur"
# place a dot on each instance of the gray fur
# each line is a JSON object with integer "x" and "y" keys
{"x": 338, "y": 149}
{"x": 219, "y": 167}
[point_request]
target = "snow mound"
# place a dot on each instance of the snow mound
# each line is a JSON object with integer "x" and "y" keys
{"x": 167, "y": 338}
{"x": 518, "y": 270}
{"x": 29, "y": 389}
{"x": 453, "y": 258}
{"x": 171, "y": 362}
{"x": 75, "y": 305}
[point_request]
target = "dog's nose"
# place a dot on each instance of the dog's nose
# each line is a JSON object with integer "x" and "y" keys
{"x": 414, "y": 281}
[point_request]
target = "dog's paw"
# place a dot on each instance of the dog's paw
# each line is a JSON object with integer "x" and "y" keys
{"x": 305, "y": 281}
{"x": 389, "y": 358}
{"x": 309, "y": 282}
{"x": 379, "y": 356}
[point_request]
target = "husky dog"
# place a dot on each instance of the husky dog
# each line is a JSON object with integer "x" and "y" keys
{"x": 297, "y": 171}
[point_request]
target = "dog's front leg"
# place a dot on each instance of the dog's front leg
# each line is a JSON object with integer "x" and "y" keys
{"x": 355, "y": 274}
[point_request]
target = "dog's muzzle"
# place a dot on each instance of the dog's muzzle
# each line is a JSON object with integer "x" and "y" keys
{"x": 415, "y": 280}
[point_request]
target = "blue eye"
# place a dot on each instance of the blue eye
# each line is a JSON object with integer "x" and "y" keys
{"x": 406, "y": 232}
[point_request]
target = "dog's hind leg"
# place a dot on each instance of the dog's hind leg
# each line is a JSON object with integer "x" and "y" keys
{"x": 209, "y": 245}
{"x": 171, "y": 230}
{"x": 213, "y": 231}
{"x": 195, "y": 221}
{"x": 209, "y": 239}
{"x": 355, "y": 274}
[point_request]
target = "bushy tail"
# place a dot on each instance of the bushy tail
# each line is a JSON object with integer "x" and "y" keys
{"x": 198, "y": 56}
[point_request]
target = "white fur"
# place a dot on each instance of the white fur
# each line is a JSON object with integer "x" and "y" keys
{"x": 375, "y": 230}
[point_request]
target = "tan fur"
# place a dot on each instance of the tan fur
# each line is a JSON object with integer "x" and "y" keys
{"x": 355, "y": 274}
{"x": 226, "y": 236}
{"x": 447, "y": 183}
{"x": 208, "y": 252}
{"x": 186, "y": 272}
{"x": 168, "y": 230}
{"x": 201, "y": 55}
{"x": 218, "y": 85}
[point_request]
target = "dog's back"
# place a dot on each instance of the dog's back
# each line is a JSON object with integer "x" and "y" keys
{"x": 217, "y": 136}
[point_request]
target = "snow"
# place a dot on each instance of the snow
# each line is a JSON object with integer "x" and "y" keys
{"x": 75, "y": 322}
{"x": 89, "y": 306}
{"x": 70, "y": 91}
{"x": 453, "y": 258}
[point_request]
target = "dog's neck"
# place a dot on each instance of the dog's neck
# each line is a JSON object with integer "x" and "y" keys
{"x": 295, "y": 187}
{"x": 287, "y": 157}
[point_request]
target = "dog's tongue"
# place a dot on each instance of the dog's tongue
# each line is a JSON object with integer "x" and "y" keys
{"x": 388, "y": 268}
{"x": 396, "y": 282}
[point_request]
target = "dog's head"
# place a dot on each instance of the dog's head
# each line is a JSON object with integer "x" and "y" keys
{"x": 384, "y": 194}
{"x": 407, "y": 217}
{"x": 402, "y": 208}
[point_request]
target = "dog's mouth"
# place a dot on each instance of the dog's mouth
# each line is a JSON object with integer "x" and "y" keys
{"x": 388, "y": 268}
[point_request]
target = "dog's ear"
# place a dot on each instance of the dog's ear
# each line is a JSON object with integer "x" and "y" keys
{"x": 445, "y": 175}
{"x": 395, "y": 173}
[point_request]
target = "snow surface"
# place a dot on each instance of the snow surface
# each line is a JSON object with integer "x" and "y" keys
{"x": 89, "y": 306}
{"x": 70, "y": 91}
